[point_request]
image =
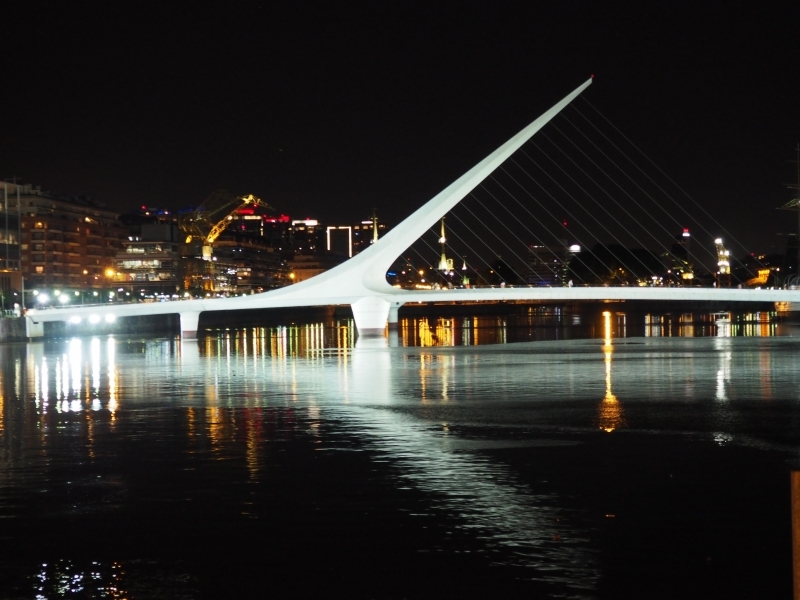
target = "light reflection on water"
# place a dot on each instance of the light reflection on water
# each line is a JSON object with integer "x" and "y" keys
{"x": 539, "y": 324}
{"x": 239, "y": 393}
{"x": 548, "y": 323}
{"x": 610, "y": 413}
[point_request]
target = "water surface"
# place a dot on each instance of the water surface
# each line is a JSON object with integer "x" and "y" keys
{"x": 299, "y": 461}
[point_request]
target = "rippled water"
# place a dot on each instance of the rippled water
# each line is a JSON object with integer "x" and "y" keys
{"x": 297, "y": 462}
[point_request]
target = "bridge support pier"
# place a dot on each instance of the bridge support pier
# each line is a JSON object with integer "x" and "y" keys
{"x": 393, "y": 317}
{"x": 33, "y": 329}
{"x": 189, "y": 322}
{"x": 371, "y": 315}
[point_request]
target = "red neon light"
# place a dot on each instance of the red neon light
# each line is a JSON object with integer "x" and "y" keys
{"x": 281, "y": 219}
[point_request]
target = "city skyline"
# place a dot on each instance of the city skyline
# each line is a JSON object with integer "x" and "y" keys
{"x": 326, "y": 111}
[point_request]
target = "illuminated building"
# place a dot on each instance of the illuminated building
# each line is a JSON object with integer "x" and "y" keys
{"x": 549, "y": 265}
{"x": 682, "y": 263}
{"x": 65, "y": 242}
{"x": 317, "y": 248}
{"x": 723, "y": 264}
{"x": 256, "y": 222}
{"x": 255, "y": 263}
{"x": 149, "y": 263}
{"x": 307, "y": 236}
{"x": 366, "y": 232}
{"x": 10, "y": 249}
{"x": 249, "y": 251}
{"x": 247, "y": 256}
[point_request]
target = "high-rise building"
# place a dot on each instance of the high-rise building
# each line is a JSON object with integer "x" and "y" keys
{"x": 307, "y": 236}
{"x": 681, "y": 268}
{"x": 65, "y": 242}
{"x": 366, "y": 232}
{"x": 549, "y": 265}
{"x": 10, "y": 250}
{"x": 149, "y": 263}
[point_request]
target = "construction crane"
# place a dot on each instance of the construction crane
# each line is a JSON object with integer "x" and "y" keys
{"x": 208, "y": 221}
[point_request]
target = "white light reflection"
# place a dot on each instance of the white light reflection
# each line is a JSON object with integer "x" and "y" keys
{"x": 485, "y": 494}
{"x": 94, "y": 353}
{"x": 723, "y": 347}
{"x": 722, "y": 321}
{"x": 112, "y": 376}
{"x": 62, "y": 377}
{"x": 45, "y": 389}
{"x": 74, "y": 359}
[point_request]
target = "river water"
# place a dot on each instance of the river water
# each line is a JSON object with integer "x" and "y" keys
{"x": 449, "y": 460}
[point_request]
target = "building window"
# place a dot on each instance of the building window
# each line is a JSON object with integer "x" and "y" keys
{"x": 40, "y": 269}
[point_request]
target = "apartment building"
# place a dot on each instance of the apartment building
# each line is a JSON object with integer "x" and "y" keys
{"x": 65, "y": 242}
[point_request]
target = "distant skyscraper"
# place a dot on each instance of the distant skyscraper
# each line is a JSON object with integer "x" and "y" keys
{"x": 549, "y": 265}
{"x": 681, "y": 261}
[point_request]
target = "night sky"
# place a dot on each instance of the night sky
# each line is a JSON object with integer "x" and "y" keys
{"x": 328, "y": 109}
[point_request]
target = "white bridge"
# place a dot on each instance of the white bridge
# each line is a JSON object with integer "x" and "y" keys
{"x": 361, "y": 281}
